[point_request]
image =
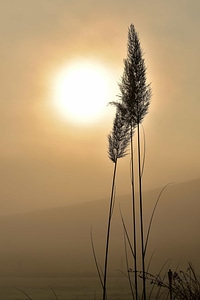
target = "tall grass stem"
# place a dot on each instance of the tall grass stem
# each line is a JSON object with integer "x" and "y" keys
{"x": 134, "y": 217}
{"x": 141, "y": 213}
{"x": 108, "y": 231}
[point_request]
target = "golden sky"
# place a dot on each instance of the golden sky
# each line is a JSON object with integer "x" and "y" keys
{"x": 46, "y": 161}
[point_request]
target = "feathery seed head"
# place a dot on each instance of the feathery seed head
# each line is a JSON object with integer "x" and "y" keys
{"x": 118, "y": 139}
{"x": 135, "y": 93}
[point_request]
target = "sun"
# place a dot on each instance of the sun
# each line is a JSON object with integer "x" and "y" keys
{"x": 82, "y": 91}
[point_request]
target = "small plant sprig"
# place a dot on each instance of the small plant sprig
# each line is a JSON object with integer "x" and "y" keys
{"x": 182, "y": 285}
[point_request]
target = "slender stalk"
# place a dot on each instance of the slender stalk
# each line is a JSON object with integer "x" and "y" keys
{"x": 152, "y": 216}
{"x": 126, "y": 256}
{"x": 53, "y": 291}
{"x": 134, "y": 218}
{"x": 99, "y": 271}
{"x": 25, "y": 293}
{"x": 108, "y": 231}
{"x": 127, "y": 235}
{"x": 141, "y": 214}
{"x": 170, "y": 277}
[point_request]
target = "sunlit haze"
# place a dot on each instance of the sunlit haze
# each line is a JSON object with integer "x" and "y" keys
{"x": 61, "y": 64}
{"x": 45, "y": 47}
{"x": 82, "y": 91}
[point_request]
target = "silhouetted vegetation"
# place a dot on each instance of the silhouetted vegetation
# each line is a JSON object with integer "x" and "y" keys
{"x": 133, "y": 105}
{"x": 180, "y": 285}
{"x": 118, "y": 142}
{"x": 131, "y": 108}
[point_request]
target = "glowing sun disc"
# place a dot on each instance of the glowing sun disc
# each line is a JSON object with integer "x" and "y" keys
{"x": 82, "y": 92}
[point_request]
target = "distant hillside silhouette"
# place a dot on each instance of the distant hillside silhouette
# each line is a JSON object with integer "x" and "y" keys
{"x": 57, "y": 241}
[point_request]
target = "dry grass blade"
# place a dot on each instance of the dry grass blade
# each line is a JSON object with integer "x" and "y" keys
{"x": 53, "y": 291}
{"x": 95, "y": 259}
{"x": 126, "y": 234}
{"x": 23, "y": 292}
{"x": 127, "y": 267}
{"x": 152, "y": 215}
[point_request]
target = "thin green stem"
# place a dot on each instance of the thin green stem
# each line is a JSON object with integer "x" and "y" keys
{"x": 141, "y": 214}
{"x": 108, "y": 231}
{"x": 134, "y": 218}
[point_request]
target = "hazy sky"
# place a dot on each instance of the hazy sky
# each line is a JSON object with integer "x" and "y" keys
{"x": 45, "y": 161}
